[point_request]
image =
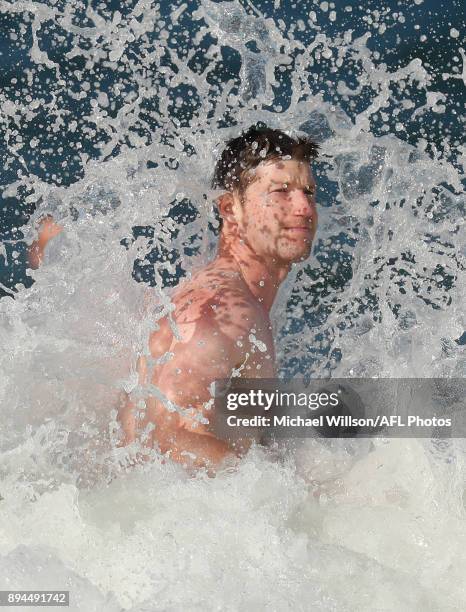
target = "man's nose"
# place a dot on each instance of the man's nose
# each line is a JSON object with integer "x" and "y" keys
{"x": 304, "y": 204}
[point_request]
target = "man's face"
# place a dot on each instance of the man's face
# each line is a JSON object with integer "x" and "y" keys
{"x": 278, "y": 216}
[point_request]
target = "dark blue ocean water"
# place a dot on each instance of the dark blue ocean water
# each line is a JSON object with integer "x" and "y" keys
{"x": 53, "y": 157}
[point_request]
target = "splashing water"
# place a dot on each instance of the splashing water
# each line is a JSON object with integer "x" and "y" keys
{"x": 143, "y": 98}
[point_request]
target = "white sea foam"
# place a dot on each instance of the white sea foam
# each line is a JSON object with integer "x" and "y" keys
{"x": 331, "y": 526}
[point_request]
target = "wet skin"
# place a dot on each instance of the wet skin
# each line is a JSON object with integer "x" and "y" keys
{"x": 222, "y": 313}
{"x": 48, "y": 229}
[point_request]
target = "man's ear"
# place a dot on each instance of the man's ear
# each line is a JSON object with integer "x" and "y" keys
{"x": 227, "y": 207}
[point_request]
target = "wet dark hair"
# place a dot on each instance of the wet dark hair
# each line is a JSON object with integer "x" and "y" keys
{"x": 256, "y": 145}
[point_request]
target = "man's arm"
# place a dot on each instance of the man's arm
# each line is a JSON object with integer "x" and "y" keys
{"x": 213, "y": 345}
{"x": 180, "y": 437}
{"x": 185, "y": 380}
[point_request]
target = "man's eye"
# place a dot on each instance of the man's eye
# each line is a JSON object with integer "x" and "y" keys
{"x": 309, "y": 192}
{"x": 281, "y": 190}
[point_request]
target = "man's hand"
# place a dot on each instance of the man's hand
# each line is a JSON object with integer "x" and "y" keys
{"x": 48, "y": 229}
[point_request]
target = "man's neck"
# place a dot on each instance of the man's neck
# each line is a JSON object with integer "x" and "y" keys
{"x": 262, "y": 278}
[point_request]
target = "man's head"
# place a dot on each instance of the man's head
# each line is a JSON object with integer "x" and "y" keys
{"x": 269, "y": 199}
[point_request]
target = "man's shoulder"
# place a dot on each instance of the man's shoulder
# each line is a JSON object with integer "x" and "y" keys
{"x": 215, "y": 297}
{"x": 216, "y": 325}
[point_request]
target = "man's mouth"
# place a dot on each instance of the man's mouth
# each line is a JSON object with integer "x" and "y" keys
{"x": 299, "y": 229}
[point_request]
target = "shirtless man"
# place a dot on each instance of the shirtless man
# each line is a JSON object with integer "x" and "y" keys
{"x": 269, "y": 219}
